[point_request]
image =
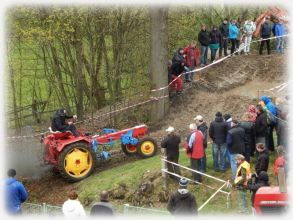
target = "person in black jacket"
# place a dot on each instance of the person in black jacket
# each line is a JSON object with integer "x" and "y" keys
{"x": 204, "y": 40}
{"x": 59, "y": 122}
{"x": 171, "y": 144}
{"x": 236, "y": 141}
{"x": 224, "y": 30}
{"x": 215, "y": 40}
{"x": 182, "y": 202}
{"x": 202, "y": 126}
{"x": 218, "y": 132}
{"x": 262, "y": 163}
{"x": 260, "y": 125}
{"x": 255, "y": 183}
{"x": 178, "y": 62}
{"x": 249, "y": 129}
{"x": 104, "y": 207}
{"x": 265, "y": 33}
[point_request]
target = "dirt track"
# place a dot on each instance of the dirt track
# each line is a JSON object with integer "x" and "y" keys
{"x": 228, "y": 87}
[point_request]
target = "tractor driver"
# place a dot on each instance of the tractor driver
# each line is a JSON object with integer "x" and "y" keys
{"x": 59, "y": 122}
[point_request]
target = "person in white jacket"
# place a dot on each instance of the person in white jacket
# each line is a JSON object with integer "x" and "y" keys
{"x": 248, "y": 29}
{"x": 72, "y": 207}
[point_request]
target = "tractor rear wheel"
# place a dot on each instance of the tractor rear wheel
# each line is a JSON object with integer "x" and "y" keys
{"x": 76, "y": 161}
{"x": 129, "y": 149}
{"x": 147, "y": 147}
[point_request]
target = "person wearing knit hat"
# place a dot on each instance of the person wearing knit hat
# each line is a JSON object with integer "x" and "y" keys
{"x": 218, "y": 133}
{"x": 171, "y": 145}
{"x": 182, "y": 202}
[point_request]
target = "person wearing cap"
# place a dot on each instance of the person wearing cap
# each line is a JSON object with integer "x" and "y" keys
{"x": 202, "y": 126}
{"x": 236, "y": 141}
{"x": 242, "y": 174}
{"x": 171, "y": 144}
{"x": 15, "y": 193}
{"x": 59, "y": 122}
{"x": 218, "y": 132}
{"x": 195, "y": 150}
{"x": 262, "y": 162}
{"x": 182, "y": 202}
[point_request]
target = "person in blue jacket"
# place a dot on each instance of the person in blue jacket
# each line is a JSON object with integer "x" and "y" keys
{"x": 279, "y": 31}
{"x": 270, "y": 106}
{"x": 15, "y": 193}
{"x": 233, "y": 33}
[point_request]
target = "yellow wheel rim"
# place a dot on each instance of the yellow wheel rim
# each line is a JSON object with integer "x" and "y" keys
{"x": 131, "y": 148}
{"x": 147, "y": 147}
{"x": 78, "y": 162}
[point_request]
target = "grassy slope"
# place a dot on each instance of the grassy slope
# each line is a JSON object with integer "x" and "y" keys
{"x": 131, "y": 174}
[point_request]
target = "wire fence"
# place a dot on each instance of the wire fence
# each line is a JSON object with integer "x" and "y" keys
{"x": 129, "y": 210}
{"x": 41, "y": 210}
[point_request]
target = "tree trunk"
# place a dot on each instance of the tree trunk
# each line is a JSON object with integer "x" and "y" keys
{"x": 159, "y": 50}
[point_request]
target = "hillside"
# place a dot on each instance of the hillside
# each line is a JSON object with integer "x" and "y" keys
{"x": 228, "y": 87}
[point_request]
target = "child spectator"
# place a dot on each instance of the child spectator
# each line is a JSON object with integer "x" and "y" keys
{"x": 280, "y": 161}
{"x": 192, "y": 59}
{"x": 262, "y": 162}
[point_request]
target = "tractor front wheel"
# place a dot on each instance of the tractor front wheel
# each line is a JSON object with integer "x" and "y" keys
{"x": 129, "y": 149}
{"x": 147, "y": 147}
{"x": 76, "y": 161}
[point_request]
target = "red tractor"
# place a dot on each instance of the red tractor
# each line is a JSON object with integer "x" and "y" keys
{"x": 75, "y": 157}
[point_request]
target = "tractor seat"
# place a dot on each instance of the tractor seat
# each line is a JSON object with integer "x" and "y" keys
{"x": 59, "y": 134}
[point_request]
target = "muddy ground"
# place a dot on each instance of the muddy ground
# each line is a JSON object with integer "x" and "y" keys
{"x": 228, "y": 87}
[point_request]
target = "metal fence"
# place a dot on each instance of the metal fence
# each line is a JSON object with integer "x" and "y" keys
{"x": 43, "y": 210}
{"x": 129, "y": 210}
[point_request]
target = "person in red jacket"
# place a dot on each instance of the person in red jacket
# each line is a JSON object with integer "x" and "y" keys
{"x": 195, "y": 150}
{"x": 280, "y": 161}
{"x": 191, "y": 59}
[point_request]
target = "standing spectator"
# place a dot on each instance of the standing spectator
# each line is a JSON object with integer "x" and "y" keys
{"x": 204, "y": 40}
{"x": 249, "y": 129}
{"x": 218, "y": 132}
{"x": 228, "y": 119}
{"x": 273, "y": 110}
{"x": 233, "y": 33}
{"x": 280, "y": 161}
{"x": 242, "y": 174}
{"x": 255, "y": 183}
{"x": 265, "y": 33}
{"x": 215, "y": 40}
{"x": 224, "y": 30}
{"x": 239, "y": 35}
{"x": 182, "y": 202}
{"x": 252, "y": 112}
{"x": 279, "y": 31}
{"x": 195, "y": 150}
{"x": 248, "y": 30}
{"x": 260, "y": 125}
{"x": 104, "y": 207}
{"x": 202, "y": 126}
{"x": 72, "y": 207}
{"x": 177, "y": 67}
{"x": 192, "y": 59}
{"x": 15, "y": 193}
{"x": 171, "y": 144}
{"x": 262, "y": 163}
{"x": 236, "y": 142}
{"x": 282, "y": 127}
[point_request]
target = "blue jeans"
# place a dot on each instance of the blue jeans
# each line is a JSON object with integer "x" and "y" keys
{"x": 204, "y": 55}
{"x": 213, "y": 54}
{"x": 227, "y": 159}
{"x": 219, "y": 151}
{"x": 233, "y": 163}
{"x": 188, "y": 76}
{"x": 203, "y": 163}
{"x": 279, "y": 44}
